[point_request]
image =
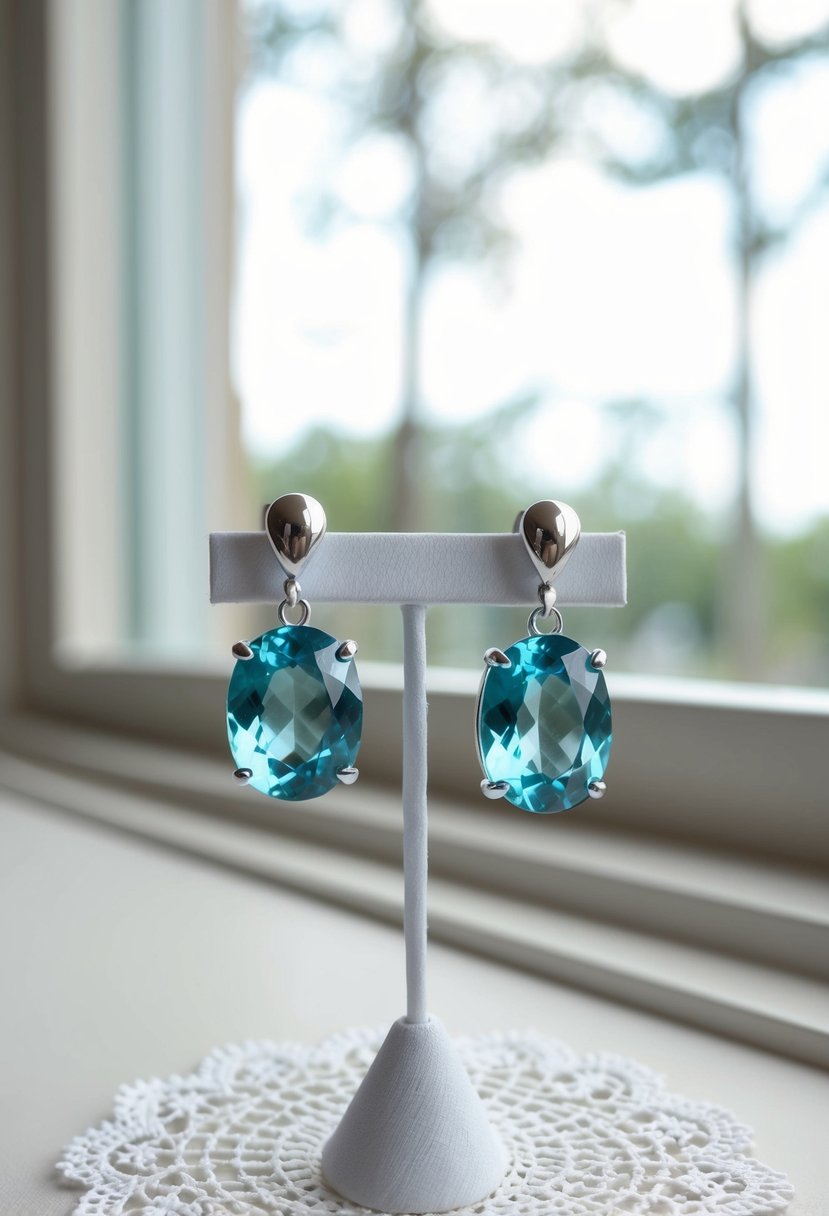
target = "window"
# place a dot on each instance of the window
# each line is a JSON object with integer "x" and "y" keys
{"x": 574, "y": 310}
{"x": 585, "y": 257}
{"x": 125, "y": 444}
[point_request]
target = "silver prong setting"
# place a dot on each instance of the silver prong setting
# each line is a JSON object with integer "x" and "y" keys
{"x": 496, "y": 658}
{"x": 494, "y": 789}
{"x": 242, "y": 775}
{"x": 241, "y": 650}
{"x": 596, "y": 789}
{"x": 348, "y": 775}
{"x": 347, "y": 650}
{"x": 598, "y": 659}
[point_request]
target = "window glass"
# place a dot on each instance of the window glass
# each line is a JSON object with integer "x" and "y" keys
{"x": 487, "y": 253}
{"x": 458, "y": 255}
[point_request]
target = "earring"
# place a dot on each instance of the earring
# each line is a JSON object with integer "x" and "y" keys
{"x": 543, "y": 713}
{"x": 294, "y": 703}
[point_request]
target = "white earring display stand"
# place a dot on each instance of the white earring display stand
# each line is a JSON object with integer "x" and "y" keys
{"x": 415, "y": 1137}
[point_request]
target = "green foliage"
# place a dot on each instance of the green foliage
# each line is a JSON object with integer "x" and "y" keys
{"x": 673, "y": 559}
{"x": 348, "y": 474}
{"x": 798, "y": 578}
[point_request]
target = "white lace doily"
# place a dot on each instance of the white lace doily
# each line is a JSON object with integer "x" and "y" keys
{"x": 587, "y": 1135}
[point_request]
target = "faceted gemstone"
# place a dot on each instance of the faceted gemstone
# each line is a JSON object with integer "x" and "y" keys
{"x": 544, "y": 724}
{"x": 294, "y": 713}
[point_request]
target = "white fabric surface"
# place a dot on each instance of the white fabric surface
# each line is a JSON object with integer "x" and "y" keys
{"x": 591, "y": 1135}
{"x": 416, "y": 568}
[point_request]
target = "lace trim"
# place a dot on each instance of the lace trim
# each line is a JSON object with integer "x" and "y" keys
{"x": 587, "y": 1135}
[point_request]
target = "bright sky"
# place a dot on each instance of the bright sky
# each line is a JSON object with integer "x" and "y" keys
{"x": 614, "y": 293}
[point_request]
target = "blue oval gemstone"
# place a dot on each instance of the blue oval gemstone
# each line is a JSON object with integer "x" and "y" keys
{"x": 294, "y": 713}
{"x": 544, "y": 724}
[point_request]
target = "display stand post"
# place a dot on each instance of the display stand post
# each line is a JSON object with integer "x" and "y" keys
{"x": 415, "y": 820}
{"x": 415, "y": 1137}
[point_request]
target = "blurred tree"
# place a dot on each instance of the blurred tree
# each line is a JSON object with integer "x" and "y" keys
{"x": 450, "y": 212}
{"x": 457, "y": 168}
{"x": 710, "y": 132}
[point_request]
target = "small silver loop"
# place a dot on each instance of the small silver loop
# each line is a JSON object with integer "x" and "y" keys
{"x": 533, "y": 629}
{"x": 303, "y": 620}
{"x": 293, "y": 592}
{"x": 547, "y": 596}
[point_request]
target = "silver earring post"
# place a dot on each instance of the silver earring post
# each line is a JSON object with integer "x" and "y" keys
{"x": 295, "y": 524}
{"x": 550, "y": 531}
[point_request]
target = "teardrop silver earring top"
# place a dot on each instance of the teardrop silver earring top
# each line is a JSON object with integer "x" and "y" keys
{"x": 550, "y": 531}
{"x": 295, "y": 524}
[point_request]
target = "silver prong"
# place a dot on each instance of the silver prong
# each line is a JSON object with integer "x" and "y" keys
{"x": 598, "y": 659}
{"x": 242, "y": 775}
{"x": 597, "y": 789}
{"x": 348, "y": 775}
{"x": 494, "y": 789}
{"x": 347, "y": 651}
{"x": 496, "y": 658}
{"x": 241, "y": 650}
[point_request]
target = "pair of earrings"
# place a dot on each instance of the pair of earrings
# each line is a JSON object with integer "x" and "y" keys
{"x": 295, "y": 707}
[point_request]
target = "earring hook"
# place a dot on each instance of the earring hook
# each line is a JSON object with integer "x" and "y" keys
{"x": 295, "y": 524}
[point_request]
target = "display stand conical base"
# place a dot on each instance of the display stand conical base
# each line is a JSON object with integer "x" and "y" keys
{"x": 415, "y": 1137}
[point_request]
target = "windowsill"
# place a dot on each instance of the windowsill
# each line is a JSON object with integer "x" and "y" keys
{"x": 724, "y": 765}
{"x": 137, "y": 960}
{"x": 728, "y": 943}
{"x": 665, "y": 690}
